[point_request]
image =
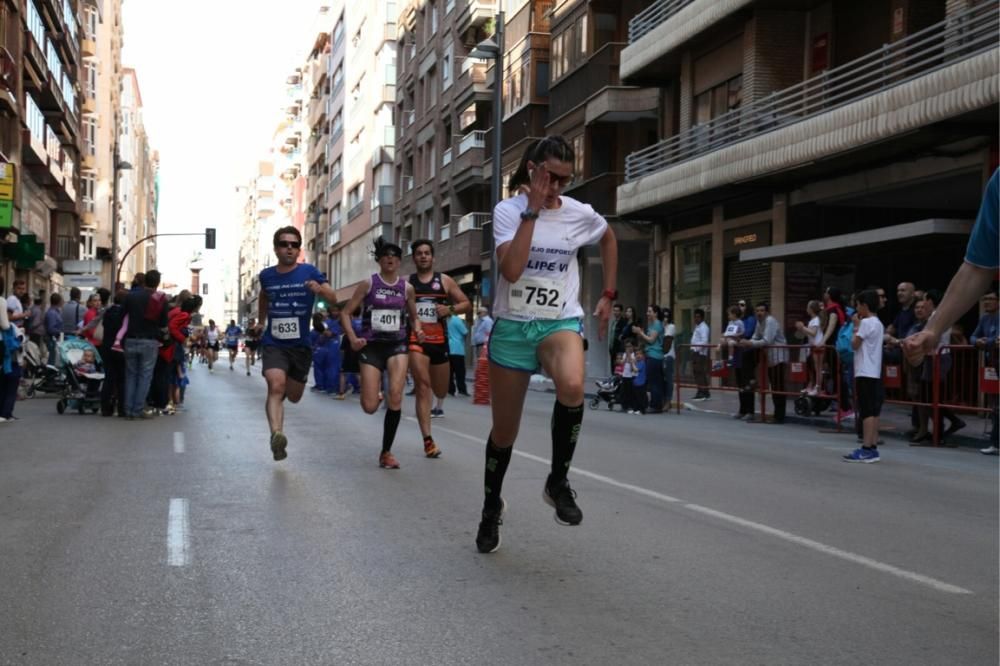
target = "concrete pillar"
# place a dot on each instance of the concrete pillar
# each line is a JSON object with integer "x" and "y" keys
{"x": 779, "y": 236}
{"x": 716, "y": 315}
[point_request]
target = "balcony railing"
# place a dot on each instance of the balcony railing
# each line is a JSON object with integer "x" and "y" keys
{"x": 355, "y": 210}
{"x": 67, "y": 247}
{"x": 652, "y": 16}
{"x": 474, "y": 139}
{"x": 470, "y": 221}
{"x": 961, "y": 36}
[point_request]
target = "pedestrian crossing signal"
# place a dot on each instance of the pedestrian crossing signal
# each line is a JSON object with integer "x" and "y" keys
{"x": 209, "y": 238}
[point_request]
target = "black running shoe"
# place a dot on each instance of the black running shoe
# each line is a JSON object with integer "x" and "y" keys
{"x": 488, "y": 537}
{"x": 278, "y": 445}
{"x": 563, "y": 498}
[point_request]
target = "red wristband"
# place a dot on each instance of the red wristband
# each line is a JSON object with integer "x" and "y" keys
{"x": 610, "y": 294}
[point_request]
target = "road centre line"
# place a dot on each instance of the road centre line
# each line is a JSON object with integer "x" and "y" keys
{"x": 178, "y": 442}
{"x": 178, "y": 534}
{"x": 817, "y": 546}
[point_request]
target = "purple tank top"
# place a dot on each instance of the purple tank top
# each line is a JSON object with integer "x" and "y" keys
{"x": 384, "y": 315}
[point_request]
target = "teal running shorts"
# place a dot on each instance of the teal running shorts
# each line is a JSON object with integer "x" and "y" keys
{"x": 514, "y": 344}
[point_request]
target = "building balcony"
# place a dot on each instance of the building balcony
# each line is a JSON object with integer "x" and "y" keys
{"x": 317, "y": 111}
{"x": 467, "y": 169}
{"x": 599, "y": 191}
{"x": 89, "y": 105}
{"x": 623, "y": 105}
{"x": 476, "y": 14}
{"x": 88, "y": 47}
{"x": 944, "y": 71}
{"x": 472, "y": 84}
{"x": 66, "y": 248}
{"x": 661, "y": 28}
{"x": 88, "y": 220}
{"x": 382, "y": 205}
{"x": 577, "y": 86}
{"x": 355, "y": 210}
{"x": 458, "y": 249}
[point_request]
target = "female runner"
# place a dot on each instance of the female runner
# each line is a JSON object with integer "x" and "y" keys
{"x": 537, "y": 234}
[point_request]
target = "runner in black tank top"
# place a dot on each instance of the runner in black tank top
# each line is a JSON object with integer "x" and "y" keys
{"x": 438, "y": 297}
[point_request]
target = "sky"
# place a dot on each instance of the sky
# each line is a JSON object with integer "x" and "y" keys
{"x": 212, "y": 78}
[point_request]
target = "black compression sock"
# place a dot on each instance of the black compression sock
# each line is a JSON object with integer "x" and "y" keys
{"x": 565, "y": 431}
{"x": 497, "y": 460}
{"x": 389, "y": 426}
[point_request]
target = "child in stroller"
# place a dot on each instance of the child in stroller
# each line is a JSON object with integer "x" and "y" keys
{"x": 611, "y": 391}
{"x": 81, "y": 366}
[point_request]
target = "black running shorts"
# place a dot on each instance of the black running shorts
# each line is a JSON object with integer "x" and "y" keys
{"x": 377, "y": 353}
{"x": 294, "y": 361}
{"x": 437, "y": 353}
{"x": 869, "y": 399}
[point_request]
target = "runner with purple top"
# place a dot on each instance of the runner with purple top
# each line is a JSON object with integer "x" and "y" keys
{"x": 389, "y": 306}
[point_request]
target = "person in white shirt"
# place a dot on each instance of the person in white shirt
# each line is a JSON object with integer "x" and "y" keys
{"x": 867, "y": 345}
{"x": 700, "y": 355}
{"x": 669, "y": 357}
{"x": 14, "y": 305}
{"x": 537, "y": 235}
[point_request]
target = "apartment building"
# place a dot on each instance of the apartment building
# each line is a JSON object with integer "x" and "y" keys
{"x": 360, "y": 148}
{"x": 316, "y": 93}
{"x": 443, "y": 104}
{"x": 803, "y": 145}
{"x": 39, "y": 69}
{"x": 137, "y": 184}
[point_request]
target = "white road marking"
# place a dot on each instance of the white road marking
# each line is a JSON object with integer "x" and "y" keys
{"x": 178, "y": 442}
{"x": 178, "y": 534}
{"x": 933, "y": 583}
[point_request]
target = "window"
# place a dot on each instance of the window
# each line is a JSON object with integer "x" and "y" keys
{"x": 434, "y": 16}
{"x": 87, "y": 249}
{"x": 35, "y": 24}
{"x": 36, "y": 121}
{"x": 446, "y": 66}
{"x": 337, "y": 126}
{"x": 516, "y": 85}
{"x": 338, "y": 31}
{"x": 338, "y": 77}
{"x": 577, "y": 143}
{"x": 570, "y": 47}
{"x": 719, "y": 100}
{"x": 90, "y": 21}
{"x": 91, "y": 81}
{"x": 88, "y": 183}
{"x": 336, "y": 170}
{"x": 90, "y": 135}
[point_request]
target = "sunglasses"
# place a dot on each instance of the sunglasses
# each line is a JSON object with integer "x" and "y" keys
{"x": 295, "y": 245}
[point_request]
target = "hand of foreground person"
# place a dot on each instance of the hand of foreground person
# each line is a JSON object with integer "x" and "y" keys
{"x": 603, "y": 314}
{"x": 918, "y": 345}
{"x": 313, "y": 286}
{"x": 358, "y": 344}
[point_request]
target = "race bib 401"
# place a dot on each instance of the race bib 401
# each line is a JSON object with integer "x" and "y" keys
{"x": 386, "y": 321}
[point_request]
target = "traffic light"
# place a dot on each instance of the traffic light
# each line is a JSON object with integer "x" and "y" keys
{"x": 209, "y": 238}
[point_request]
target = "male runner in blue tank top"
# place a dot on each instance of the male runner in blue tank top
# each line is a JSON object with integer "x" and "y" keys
{"x": 286, "y": 304}
{"x": 388, "y": 302}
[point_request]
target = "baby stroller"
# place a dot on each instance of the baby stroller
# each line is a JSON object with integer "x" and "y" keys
{"x": 609, "y": 391}
{"x": 39, "y": 376}
{"x": 81, "y": 392}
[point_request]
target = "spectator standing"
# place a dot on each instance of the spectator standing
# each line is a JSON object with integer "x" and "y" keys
{"x": 628, "y": 332}
{"x": 15, "y": 306}
{"x": 319, "y": 339}
{"x": 93, "y": 310}
{"x": 906, "y": 296}
{"x": 701, "y": 355}
{"x": 481, "y": 332}
{"x": 867, "y": 342}
{"x": 745, "y": 371}
{"x": 113, "y": 388}
{"x": 813, "y": 334}
{"x": 767, "y": 333}
{"x": 669, "y": 358}
{"x": 53, "y": 326}
{"x": 36, "y": 322}
{"x": 639, "y": 383}
{"x": 11, "y": 338}
{"x": 147, "y": 317}
{"x": 615, "y": 329}
{"x": 628, "y": 390}
{"x": 335, "y": 330}
{"x": 652, "y": 339}
{"x": 73, "y": 312}
{"x": 457, "y": 331}
{"x": 986, "y": 338}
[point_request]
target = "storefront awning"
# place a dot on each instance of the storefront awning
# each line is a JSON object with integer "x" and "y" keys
{"x": 892, "y": 239}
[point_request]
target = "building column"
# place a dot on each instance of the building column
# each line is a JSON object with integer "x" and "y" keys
{"x": 779, "y": 236}
{"x": 717, "y": 314}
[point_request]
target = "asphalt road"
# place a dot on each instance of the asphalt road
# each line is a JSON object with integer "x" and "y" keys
{"x": 704, "y": 541}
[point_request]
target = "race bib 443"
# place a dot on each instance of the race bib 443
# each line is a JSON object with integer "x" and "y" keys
{"x": 427, "y": 312}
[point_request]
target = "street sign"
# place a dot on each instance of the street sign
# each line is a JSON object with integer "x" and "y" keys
{"x": 82, "y": 281}
{"x": 6, "y": 214}
{"x": 6, "y": 181}
{"x": 82, "y": 266}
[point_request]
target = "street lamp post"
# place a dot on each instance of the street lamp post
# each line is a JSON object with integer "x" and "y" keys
{"x": 492, "y": 49}
{"x": 117, "y": 165}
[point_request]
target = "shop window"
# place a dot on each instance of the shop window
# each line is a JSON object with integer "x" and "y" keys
{"x": 718, "y": 100}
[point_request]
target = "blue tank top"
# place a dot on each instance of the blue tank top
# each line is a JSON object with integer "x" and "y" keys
{"x": 384, "y": 316}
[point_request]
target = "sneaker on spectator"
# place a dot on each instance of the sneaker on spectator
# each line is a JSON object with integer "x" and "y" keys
{"x": 863, "y": 455}
{"x": 990, "y": 451}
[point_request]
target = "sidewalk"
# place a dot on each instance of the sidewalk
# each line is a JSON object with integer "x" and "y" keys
{"x": 894, "y": 421}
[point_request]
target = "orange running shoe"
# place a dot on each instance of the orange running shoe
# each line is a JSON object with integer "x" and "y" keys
{"x": 431, "y": 449}
{"x": 387, "y": 461}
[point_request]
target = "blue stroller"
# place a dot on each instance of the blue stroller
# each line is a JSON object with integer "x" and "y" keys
{"x": 83, "y": 389}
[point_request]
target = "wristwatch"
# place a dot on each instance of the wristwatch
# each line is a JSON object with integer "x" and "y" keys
{"x": 451, "y": 308}
{"x": 610, "y": 294}
{"x": 529, "y": 214}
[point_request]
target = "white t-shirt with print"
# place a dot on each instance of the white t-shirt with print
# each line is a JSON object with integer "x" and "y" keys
{"x": 558, "y": 235}
{"x": 868, "y": 357}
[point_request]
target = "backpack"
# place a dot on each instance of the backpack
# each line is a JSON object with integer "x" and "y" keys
{"x": 843, "y": 344}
